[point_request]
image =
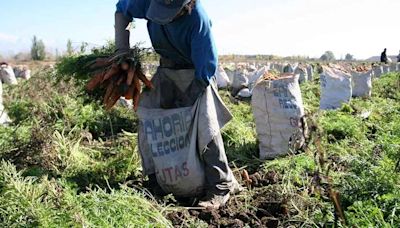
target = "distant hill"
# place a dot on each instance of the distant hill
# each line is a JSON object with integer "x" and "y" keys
{"x": 378, "y": 58}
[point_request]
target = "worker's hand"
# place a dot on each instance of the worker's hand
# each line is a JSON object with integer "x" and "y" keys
{"x": 122, "y": 33}
{"x": 202, "y": 83}
{"x": 196, "y": 88}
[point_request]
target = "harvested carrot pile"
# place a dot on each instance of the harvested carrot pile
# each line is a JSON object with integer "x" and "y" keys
{"x": 270, "y": 75}
{"x": 362, "y": 68}
{"x": 119, "y": 76}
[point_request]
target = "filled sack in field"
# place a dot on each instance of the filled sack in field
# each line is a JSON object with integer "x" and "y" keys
{"x": 386, "y": 69}
{"x": 1, "y": 93}
{"x": 278, "y": 67}
{"x": 22, "y": 72}
{"x": 278, "y": 110}
{"x": 4, "y": 119}
{"x": 7, "y": 75}
{"x": 171, "y": 136}
{"x": 393, "y": 67}
{"x": 230, "y": 73}
{"x": 288, "y": 69}
{"x": 336, "y": 88}
{"x": 240, "y": 81}
{"x": 126, "y": 103}
{"x": 244, "y": 93}
{"x": 302, "y": 72}
{"x": 377, "y": 71}
{"x": 222, "y": 78}
{"x": 174, "y": 132}
{"x": 361, "y": 84}
{"x": 253, "y": 78}
{"x": 251, "y": 68}
{"x": 310, "y": 72}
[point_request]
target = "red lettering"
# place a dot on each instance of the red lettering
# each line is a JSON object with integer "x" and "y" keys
{"x": 186, "y": 171}
{"x": 160, "y": 177}
{"x": 169, "y": 172}
{"x": 178, "y": 173}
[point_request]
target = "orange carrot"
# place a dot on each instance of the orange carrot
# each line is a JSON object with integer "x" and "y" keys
{"x": 113, "y": 71}
{"x": 136, "y": 93}
{"x": 95, "y": 81}
{"x": 143, "y": 78}
{"x": 131, "y": 75}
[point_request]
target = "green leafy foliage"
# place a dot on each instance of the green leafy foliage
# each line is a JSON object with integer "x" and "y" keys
{"x": 69, "y": 163}
{"x": 38, "y": 50}
{"x": 33, "y": 202}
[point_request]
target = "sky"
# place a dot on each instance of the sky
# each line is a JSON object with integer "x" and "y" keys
{"x": 280, "y": 27}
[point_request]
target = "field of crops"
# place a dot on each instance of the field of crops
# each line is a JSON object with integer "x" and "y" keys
{"x": 65, "y": 162}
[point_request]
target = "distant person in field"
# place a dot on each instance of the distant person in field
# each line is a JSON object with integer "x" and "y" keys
{"x": 384, "y": 58}
{"x": 398, "y": 58}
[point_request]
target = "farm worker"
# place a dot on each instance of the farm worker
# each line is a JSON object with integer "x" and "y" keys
{"x": 398, "y": 58}
{"x": 384, "y": 58}
{"x": 180, "y": 32}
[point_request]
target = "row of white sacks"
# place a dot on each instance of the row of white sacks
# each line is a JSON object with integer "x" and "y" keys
{"x": 243, "y": 79}
{"x": 9, "y": 75}
{"x": 279, "y": 110}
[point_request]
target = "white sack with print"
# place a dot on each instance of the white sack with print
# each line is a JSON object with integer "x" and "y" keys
{"x": 336, "y": 88}
{"x": 361, "y": 84}
{"x": 171, "y": 136}
{"x": 7, "y": 75}
{"x": 222, "y": 78}
{"x": 278, "y": 110}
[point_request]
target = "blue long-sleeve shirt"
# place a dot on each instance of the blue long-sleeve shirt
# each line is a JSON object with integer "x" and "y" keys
{"x": 187, "y": 40}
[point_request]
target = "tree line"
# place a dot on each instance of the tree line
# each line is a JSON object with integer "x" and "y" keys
{"x": 38, "y": 53}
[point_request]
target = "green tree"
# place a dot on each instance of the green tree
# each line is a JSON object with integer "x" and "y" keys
{"x": 38, "y": 50}
{"x": 70, "y": 49}
{"x": 349, "y": 57}
{"x": 83, "y": 47}
{"x": 328, "y": 56}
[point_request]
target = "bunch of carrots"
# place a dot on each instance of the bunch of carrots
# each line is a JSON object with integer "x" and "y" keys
{"x": 119, "y": 76}
{"x": 271, "y": 75}
{"x": 362, "y": 68}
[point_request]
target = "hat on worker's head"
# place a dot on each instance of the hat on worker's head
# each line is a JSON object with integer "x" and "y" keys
{"x": 164, "y": 11}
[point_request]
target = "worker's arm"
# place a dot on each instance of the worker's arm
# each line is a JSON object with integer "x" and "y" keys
{"x": 122, "y": 34}
{"x": 126, "y": 11}
{"x": 204, "y": 53}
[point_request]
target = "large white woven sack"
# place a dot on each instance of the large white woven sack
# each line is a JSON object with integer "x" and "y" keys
{"x": 310, "y": 72}
{"x": 336, "y": 88}
{"x": 7, "y": 75}
{"x": 278, "y": 110}
{"x": 278, "y": 67}
{"x": 377, "y": 71}
{"x": 170, "y": 135}
{"x": 302, "y": 72}
{"x": 253, "y": 78}
{"x": 288, "y": 69}
{"x": 240, "y": 79}
{"x": 386, "y": 69}
{"x": 230, "y": 73}
{"x": 361, "y": 84}
{"x": 4, "y": 119}
{"x": 222, "y": 78}
{"x": 244, "y": 93}
{"x": 1, "y": 93}
{"x": 22, "y": 72}
{"x": 393, "y": 67}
